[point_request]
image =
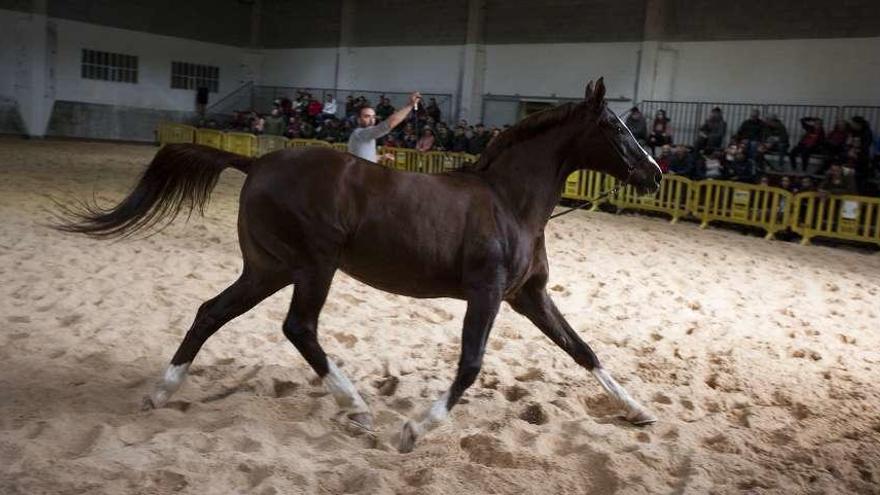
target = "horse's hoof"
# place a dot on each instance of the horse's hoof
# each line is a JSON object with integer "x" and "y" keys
{"x": 407, "y": 438}
{"x": 641, "y": 417}
{"x": 361, "y": 423}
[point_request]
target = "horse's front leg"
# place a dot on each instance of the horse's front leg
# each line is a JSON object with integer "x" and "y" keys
{"x": 481, "y": 310}
{"x": 534, "y": 303}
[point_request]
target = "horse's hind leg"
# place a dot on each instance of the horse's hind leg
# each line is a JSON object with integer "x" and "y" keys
{"x": 301, "y": 328}
{"x": 534, "y": 303}
{"x": 244, "y": 294}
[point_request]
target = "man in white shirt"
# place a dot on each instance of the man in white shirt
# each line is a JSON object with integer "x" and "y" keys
{"x": 362, "y": 142}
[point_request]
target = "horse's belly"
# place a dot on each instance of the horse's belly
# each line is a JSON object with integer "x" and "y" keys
{"x": 399, "y": 275}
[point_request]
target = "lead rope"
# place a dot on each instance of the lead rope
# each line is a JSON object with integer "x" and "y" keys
{"x": 593, "y": 201}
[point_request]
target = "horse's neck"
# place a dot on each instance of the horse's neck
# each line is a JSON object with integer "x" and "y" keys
{"x": 529, "y": 177}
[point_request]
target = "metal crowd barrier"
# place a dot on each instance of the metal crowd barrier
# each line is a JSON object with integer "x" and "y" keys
{"x": 240, "y": 142}
{"x": 764, "y": 207}
{"x": 672, "y": 198}
{"x": 585, "y": 185}
{"x": 268, "y": 144}
{"x": 176, "y": 133}
{"x": 210, "y": 137}
{"x": 854, "y": 218}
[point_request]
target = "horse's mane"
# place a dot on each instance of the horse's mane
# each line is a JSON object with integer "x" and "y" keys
{"x": 525, "y": 129}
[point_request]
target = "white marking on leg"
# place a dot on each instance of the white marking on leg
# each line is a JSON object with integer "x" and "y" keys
{"x": 171, "y": 381}
{"x": 413, "y": 429}
{"x": 343, "y": 390}
{"x": 635, "y": 413}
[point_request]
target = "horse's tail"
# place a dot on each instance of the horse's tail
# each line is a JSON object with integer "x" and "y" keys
{"x": 180, "y": 176}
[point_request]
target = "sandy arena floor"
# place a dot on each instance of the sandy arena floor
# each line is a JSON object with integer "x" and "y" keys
{"x": 760, "y": 358}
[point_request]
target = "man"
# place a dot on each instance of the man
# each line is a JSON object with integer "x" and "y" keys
{"x": 638, "y": 125}
{"x": 362, "y": 142}
{"x": 329, "y": 110}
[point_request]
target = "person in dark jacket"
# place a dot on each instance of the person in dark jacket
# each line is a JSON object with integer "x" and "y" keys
{"x": 459, "y": 140}
{"x": 711, "y": 133}
{"x": 681, "y": 162}
{"x": 638, "y": 125}
{"x": 752, "y": 131}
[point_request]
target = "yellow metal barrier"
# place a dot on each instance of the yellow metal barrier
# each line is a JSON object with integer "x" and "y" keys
{"x": 765, "y": 207}
{"x": 209, "y": 137}
{"x": 300, "y": 143}
{"x": 585, "y": 185}
{"x": 340, "y": 146}
{"x": 672, "y": 198}
{"x": 404, "y": 159}
{"x": 240, "y": 142}
{"x": 176, "y": 133}
{"x": 855, "y": 218}
{"x": 268, "y": 144}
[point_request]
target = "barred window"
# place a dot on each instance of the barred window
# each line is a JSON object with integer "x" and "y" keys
{"x": 185, "y": 75}
{"x": 108, "y": 66}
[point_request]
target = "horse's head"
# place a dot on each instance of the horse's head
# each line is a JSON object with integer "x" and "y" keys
{"x": 606, "y": 145}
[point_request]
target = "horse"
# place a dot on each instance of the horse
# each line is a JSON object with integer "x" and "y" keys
{"x": 475, "y": 234}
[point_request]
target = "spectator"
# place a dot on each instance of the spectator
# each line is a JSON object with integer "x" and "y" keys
{"x": 426, "y": 142}
{"x": 836, "y": 182}
{"x": 433, "y": 110}
{"x": 742, "y": 169}
{"x": 776, "y": 136}
{"x": 711, "y": 133}
{"x": 330, "y": 131}
{"x": 329, "y": 110}
{"x": 493, "y": 134}
{"x": 384, "y": 108}
{"x": 258, "y": 124}
{"x": 638, "y": 125}
{"x": 752, "y": 131}
{"x": 409, "y": 139}
{"x": 664, "y": 158}
{"x": 306, "y": 130}
{"x": 293, "y": 128}
{"x": 762, "y": 165}
{"x": 459, "y": 140}
{"x": 785, "y": 183}
{"x": 479, "y": 140}
{"x": 274, "y": 123}
{"x": 859, "y": 127}
{"x": 350, "y": 110}
{"x": 314, "y": 109}
{"x": 805, "y": 185}
{"x": 764, "y": 181}
{"x": 443, "y": 140}
{"x": 836, "y": 142}
{"x": 660, "y": 134}
{"x": 810, "y": 143}
{"x": 681, "y": 163}
{"x": 714, "y": 167}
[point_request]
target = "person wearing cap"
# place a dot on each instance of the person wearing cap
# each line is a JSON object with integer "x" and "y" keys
{"x": 362, "y": 142}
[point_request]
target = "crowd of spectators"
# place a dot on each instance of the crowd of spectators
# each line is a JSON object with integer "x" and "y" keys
{"x": 305, "y": 117}
{"x": 846, "y": 160}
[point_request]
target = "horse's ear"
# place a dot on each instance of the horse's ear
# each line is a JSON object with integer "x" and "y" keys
{"x": 589, "y": 91}
{"x": 597, "y": 98}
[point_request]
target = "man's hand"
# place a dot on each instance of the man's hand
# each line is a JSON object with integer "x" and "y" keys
{"x": 414, "y": 98}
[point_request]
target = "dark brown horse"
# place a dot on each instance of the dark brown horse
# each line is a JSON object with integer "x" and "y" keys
{"x": 475, "y": 234}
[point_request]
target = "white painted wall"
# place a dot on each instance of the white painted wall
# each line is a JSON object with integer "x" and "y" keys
{"x": 817, "y": 71}
{"x": 155, "y": 54}
{"x": 298, "y": 67}
{"x": 562, "y": 69}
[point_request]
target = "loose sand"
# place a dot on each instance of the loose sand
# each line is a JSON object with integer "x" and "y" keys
{"x": 759, "y": 358}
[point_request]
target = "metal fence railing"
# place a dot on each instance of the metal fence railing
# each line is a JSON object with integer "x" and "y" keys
{"x": 686, "y": 117}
